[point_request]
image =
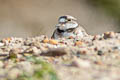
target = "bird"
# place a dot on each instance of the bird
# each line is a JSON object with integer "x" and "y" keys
{"x": 68, "y": 27}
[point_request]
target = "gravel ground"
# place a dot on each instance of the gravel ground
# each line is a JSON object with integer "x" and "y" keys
{"x": 90, "y": 58}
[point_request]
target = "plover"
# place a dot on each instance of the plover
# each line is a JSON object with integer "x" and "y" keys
{"x": 68, "y": 27}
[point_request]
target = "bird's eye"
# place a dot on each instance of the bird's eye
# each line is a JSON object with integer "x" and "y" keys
{"x": 60, "y": 31}
{"x": 70, "y": 30}
{"x": 69, "y": 19}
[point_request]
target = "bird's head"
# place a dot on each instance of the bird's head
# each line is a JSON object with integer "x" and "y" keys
{"x": 66, "y": 23}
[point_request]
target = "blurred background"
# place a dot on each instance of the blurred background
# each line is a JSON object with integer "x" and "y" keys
{"x": 23, "y": 18}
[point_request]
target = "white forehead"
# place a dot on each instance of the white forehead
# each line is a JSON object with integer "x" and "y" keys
{"x": 62, "y": 20}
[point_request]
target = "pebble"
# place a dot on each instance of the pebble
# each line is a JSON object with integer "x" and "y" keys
{"x": 78, "y": 43}
{"x": 54, "y": 42}
{"x": 109, "y": 35}
{"x": 46, "y": 40}
{"x": 116, "y": 47}
{"x": 1, "y": 44}
{"x": 98, "y": 62}
{"x": 35, "y": 50}
{"x": 95, "y": 55}
{"x": 13, "y": 53}
{"x": 100, "y": 53}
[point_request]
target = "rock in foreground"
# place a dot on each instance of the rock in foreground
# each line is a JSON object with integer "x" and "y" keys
{"x": 90, "y": 58}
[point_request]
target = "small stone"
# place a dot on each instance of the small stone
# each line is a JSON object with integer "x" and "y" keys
{"x": 98, "y": 62}
{"x": 13, "y": 53}
{"x": 1, "y": 44}
{"x": 36, "y": 44}
{"x": 54, "y": 42}
{"x": 95, "y": 48}
{"x": 32, "y": 50}
{"x": 35, "y": 50}
{"x": 46, "y": 40}
{"x": 100, "y": 53}
{"x": 8, "y": 39}
{"x": 109, "y": 35}
{"x": 28, "y": 50}
{"x": 94, "y": 38}
{"x": 27, "y": 54}
{"x": 83, "y": 52}
{"x": 71, "y": 37}
{"x": 97, "y": 37}
{"x": 78, "y": 43}
{"x": 116, "y": 47}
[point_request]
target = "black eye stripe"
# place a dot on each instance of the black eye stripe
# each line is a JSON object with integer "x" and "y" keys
{"x": 69, "y": 19}
{"x": 60, "y": 31}
{"x": 63, "y": 17}
{"x": 68, "y": 30}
